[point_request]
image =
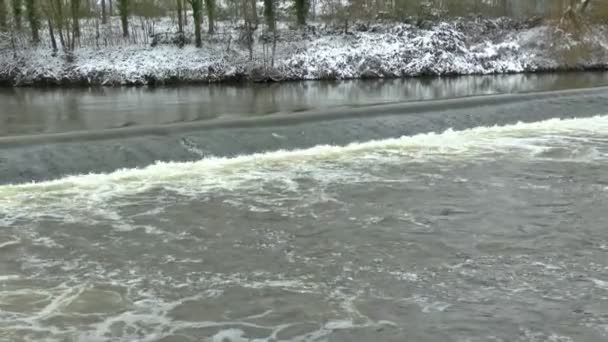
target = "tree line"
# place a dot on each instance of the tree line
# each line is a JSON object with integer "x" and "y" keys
{"x": 61, "y": 19}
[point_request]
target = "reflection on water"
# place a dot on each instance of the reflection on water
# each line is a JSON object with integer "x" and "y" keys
{"x": 26, "y": 110}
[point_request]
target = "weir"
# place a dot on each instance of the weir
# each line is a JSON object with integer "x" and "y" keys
{"x": 50, "y": 156}
{"x": 581, "y": 140}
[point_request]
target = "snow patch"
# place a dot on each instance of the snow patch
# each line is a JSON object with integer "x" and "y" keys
{"x": 458, "y": 47}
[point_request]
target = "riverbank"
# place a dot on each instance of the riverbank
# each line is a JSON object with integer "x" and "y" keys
{"x": 320, "y": 52}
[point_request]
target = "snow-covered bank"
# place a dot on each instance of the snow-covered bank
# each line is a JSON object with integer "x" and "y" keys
{"x": 458, "y": 47}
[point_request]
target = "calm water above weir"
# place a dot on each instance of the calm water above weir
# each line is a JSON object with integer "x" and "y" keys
{"x": 31, "y": 110}
{"x": 484, "y": 234}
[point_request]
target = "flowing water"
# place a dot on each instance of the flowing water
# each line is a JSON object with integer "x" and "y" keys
{"x": 486, "y": 234}
{"x": 31, "y": 110}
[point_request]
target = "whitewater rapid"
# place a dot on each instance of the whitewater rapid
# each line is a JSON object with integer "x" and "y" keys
{"x": 325, "y": 163}
{"x": 489, "y": 233}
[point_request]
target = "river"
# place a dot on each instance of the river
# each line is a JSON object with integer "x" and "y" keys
{"x": 486, "y": 233}
{"x": 33, "y": 110}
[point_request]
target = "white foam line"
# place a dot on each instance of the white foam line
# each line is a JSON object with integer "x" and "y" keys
{"x": 61, "y": 301}
{"x": 450, "y": 140}
{"x": 600, "y": 283}
{"x": 8, "y": 277}
{"x": 10, "y": 243}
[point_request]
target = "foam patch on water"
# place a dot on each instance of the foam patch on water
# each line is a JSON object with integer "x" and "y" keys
{"x": 151, "y": 318}
{"x": 602, "y": 284}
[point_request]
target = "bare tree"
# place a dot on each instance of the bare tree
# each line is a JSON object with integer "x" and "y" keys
{"x": 3, "y": 15}
{"x": 254, "y": 13}
{"x": 63, "y": 24}
{"x": 210, "y": 4}
{"x": 250, "y": 27}
{"x": 197, "y": 14}
{"x": 33, "y": 19}
{"x": 269, "y": 15}
{"x": 17, "y": 7}
{"x": 104, "y": 19}
{"x": 52, "y": 34}
{"x": 56, "y": 12}
{"x": 123, "y": 9}
{"x": 75, "y": 7}
{"x": 180, "y": 18}
{"x": 301, "y": 7}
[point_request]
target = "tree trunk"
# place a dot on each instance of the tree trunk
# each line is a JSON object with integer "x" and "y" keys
{"x": 254, "y": 13}
{"x": 62, "y": 40}
{"x": 104, "y": 18}
{"x": 301, "y": 12}
{"x": 197, "y": 13}
{"x": 269, "y": 14}
{"x": 58, "y": 16}
{"x": 249, "y": 27}
{"x": 17, "y": 12}
{"x": 248, "y": 16}
{"x": 69, "y": 41}
{"x": 197, "y": 31}
{"x": 123, "y": 9}
{"x": 75, "y": 19}
{"x": 211, "y": 15}
{"x": 52, "y": 34}
{"x": 33, "y": 19}
{"x": 3, "y": 16}
{"x": 180, "y": 18}
{"x": 274, "y": 47}
{"x": 505, "y": 8}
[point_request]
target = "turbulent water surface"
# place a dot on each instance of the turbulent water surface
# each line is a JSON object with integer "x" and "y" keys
{"x": 487, "y": 234}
